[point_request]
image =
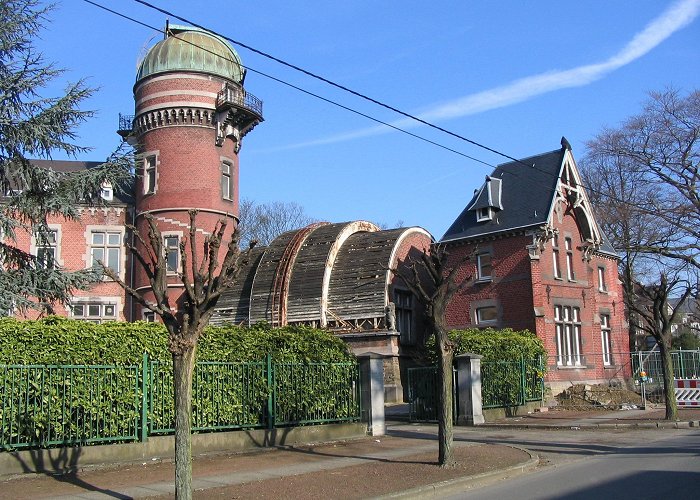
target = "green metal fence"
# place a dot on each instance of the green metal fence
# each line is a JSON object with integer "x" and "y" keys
{"x": 511, "y": 383}
{"x": 43, "y": 406}
{"x": 503, "y": 384}
{"x": 686, "y": 364}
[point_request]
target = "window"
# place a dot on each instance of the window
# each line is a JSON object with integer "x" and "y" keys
{"x": 149, "y": 316}
{"x": 567, "y": 323}
{"x": 105, "y": 247}
{"x": 172, "y": 253}
{"x": 483, "y": 265}
{"x": 484, "y": 214}
{"x": 602, "y": 286}
{"x": 226, "y": 181}
{"x": 107, "y": 192}
{"x": 46, "y": 251}
{"x": 95, "y": 312}
{"x": 487, "y": 315}
{"x": 605, "y": 338}
{"x": 555, "y": 258}
{"x": 570, "y": 274}
{"x": 149, "y": 174}
{"x": 403, "y": 301}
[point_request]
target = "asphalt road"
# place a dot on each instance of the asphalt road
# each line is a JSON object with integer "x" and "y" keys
{"x": 598, "y": 464}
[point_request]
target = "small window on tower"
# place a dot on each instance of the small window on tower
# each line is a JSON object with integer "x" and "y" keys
{"x": 226, "y": 180}
{"x": 149, "y": 175}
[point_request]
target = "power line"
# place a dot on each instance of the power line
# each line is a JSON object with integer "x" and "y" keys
{"x": 353, "y": 92}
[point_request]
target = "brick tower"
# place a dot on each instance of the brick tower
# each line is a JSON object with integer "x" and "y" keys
{"x": 191, "y": 114}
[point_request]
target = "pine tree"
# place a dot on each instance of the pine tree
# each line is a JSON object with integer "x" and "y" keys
{"x": 35, "y": 126}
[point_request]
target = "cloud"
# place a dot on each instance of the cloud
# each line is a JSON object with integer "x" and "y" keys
{"x": 673, "y": 19}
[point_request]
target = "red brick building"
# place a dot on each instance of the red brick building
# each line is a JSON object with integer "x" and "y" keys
{"x": 541, "y": 263}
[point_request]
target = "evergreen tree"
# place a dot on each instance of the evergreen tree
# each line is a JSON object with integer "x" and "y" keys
{"x": 35, "y": 126}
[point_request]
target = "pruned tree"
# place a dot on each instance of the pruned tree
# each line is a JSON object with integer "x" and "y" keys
{"x": 655, "y": 315}
{"x": 263, "y": 222}
{"x": 643, "y": 179}
{"x": 434, "y": 282}
{"x": 34, "y": 126}
{"x": 204, "y": 278}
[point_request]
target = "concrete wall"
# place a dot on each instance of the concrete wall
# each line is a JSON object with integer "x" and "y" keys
{"x": 57, "y": 460}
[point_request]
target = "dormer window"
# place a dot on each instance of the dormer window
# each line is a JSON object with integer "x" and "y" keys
{"x": 487, "y": 200}
{"x": 484, "y": 214}
{"x": 107, "y": 192}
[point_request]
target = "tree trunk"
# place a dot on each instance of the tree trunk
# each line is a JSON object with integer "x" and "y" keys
{"x": 445, "y": 434}
{"x": 669, "y": 387}
{"x": 183, "y": 368}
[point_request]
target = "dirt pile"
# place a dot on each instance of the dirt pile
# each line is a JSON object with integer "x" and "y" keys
{"x": 601, "y": 396}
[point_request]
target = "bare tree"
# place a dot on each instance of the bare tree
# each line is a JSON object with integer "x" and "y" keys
{"x": 651, "y": 306}
{"x": 434, "y": 283}
{"x": 643, "y": 178}
{"x": 204, "y": 280}
{"x": 262, "y": 223}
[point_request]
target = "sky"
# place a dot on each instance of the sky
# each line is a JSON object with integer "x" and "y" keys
{"x": 513, "y": 76}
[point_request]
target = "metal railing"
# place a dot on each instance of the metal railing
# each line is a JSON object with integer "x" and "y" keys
{"x": 42, "y": 406}
{"x": 511, "y": 383}
{"x": 126, "y": 123}
{"x": 240, "y": 98}
{"x": 686, "y": 364}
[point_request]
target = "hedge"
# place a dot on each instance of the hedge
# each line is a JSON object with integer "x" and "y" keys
{"x": 57, "y": 340}
{"x": 494, "y": 345}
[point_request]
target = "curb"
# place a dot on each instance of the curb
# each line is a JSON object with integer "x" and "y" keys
{"x": 451, "y": 486}
{"x": 607, "y": 425}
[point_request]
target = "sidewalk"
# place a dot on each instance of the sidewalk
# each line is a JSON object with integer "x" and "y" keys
{"x": 399, "y": 465}
{"x": 649, "y": 418}
{"x": 393, "y": 466}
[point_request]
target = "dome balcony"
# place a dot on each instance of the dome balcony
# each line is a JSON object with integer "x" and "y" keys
{"x": 126, "y": 125}
{"x": 237, "y": 109}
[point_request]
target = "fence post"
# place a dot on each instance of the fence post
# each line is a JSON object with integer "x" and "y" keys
{"x": 372, "y": 391}
{"x": 469, "y": 403}
{"x": 522, "y": 380}
{"x": 145, "y": 387}
{"x": 270, "y": 394}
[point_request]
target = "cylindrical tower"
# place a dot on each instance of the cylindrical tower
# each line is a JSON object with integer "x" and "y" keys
{"x": 191, "y": 113}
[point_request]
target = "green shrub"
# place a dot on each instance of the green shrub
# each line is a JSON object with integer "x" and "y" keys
{"x": 56, "y": 340}
{"x": 48, "y": 405}
{"x": 494, "y": 345}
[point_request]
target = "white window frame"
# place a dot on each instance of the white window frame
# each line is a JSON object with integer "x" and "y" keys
{"x": 602, "y": 284}
{"x": 480, "y": 320}
{"x": 227, "y": 179}
{"x": 605, "y": 335}
{"x": 95, "y": 310}
{"x": 569, "y": 246}
{"x": 484, "y": 214}
{"x": 166, "y": 250}
{"x": 480, "y": 265}
{"x": 107, "y": 192}
{"x": 150, "y": 172}
{"x": 567, "y": 324}
{"x": 46, "y": 250}
{"x": 556, "y": 265}
{"x": 148, "y": 316}
{"x": 90, "y": 257}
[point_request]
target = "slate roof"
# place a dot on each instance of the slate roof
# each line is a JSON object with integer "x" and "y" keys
{"x": 68, "y": 166}
{"x": 528, "y": 188}
{"x": 527, "y": 191}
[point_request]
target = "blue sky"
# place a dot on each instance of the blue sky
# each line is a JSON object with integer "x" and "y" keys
{"x": 512, "y": 75}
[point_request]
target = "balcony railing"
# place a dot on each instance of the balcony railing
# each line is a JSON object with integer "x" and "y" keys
{"x": 126, "y": 125}
{"x": 238, "y": 97}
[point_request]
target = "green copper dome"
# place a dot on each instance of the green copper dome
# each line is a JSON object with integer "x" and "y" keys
{"x": 192, "y": 49}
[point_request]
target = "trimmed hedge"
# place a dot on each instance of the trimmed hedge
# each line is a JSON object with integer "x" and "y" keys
{"x": 57, "y": 340}
{"x": 494, "y": 345}
{"x": 46, "y": 405}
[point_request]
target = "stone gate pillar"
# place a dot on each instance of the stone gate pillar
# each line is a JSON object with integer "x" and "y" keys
{"x": 469, "y": 409}
{"x": 372, "y": 392}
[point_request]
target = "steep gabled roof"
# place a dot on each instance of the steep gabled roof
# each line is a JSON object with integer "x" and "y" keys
{"x": 527, "y": 191}
{"x": 524, "y": 198}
